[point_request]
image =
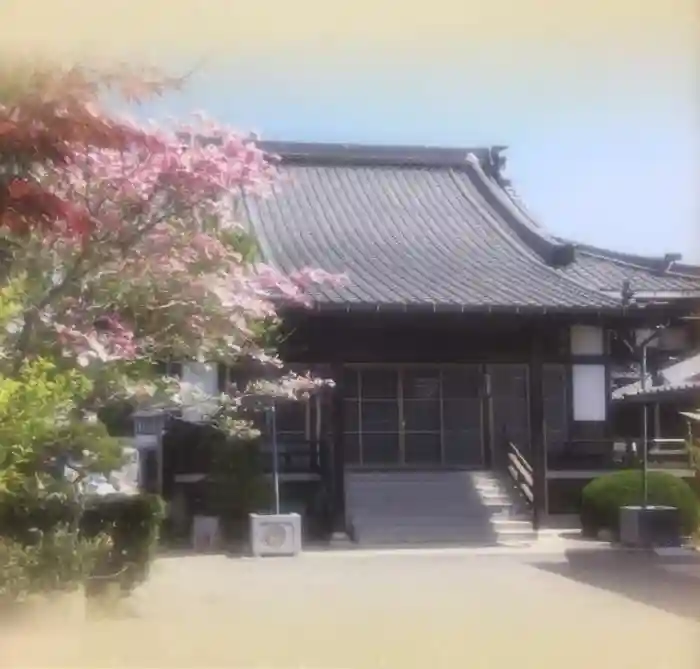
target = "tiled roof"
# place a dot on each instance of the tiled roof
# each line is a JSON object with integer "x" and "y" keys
{"x": 681, "y": 375}
{"x": 606, "y": 270}
{"x": 429, "y": 227}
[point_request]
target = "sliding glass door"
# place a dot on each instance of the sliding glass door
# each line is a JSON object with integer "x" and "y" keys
{"x": 509, "y": 409}
{"x": 464, "y": 403}
{"x": 421, "y": 414}
{"x": 413, "y": 416}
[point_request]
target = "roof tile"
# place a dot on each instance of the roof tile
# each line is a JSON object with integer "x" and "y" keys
{"x": 420, "y": 227}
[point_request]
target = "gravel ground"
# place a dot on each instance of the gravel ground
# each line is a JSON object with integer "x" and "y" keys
{"x": 395, "y": 609}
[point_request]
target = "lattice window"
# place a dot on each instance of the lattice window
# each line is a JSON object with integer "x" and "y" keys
{"x": 413, "y": 415}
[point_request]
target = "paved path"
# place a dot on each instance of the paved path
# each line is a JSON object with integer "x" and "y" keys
{"x": 366, "y": 610}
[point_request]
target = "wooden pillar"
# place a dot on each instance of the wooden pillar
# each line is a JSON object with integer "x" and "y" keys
{"x": 537, "y": 437}
{"x": 338, "y": 454}
{"x": 656, "y": 432}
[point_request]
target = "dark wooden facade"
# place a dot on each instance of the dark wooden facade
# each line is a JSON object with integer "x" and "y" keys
{"x": 443, "y": 391}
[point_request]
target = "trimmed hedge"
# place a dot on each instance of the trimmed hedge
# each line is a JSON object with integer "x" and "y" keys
{"x": 602, "y": 498}
{"x": 23, "y": 519}
{"x": 130, "y": 522}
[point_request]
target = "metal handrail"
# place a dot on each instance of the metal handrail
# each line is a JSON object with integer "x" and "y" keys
{"x": 522, "y": 474}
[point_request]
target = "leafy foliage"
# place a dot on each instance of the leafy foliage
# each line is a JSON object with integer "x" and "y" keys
{"x": 41, "y": 550}
{"x": 39, "y": 432}
{"x": 58, "y": 560}
{"x": 603, "y": 497}
{"x": 694, "y": 451}
{"x": 123, "y": 243}
{"x": 237, "y": 485}
{"x": 133, "y": 524}
{"x": 45, "y": 112}
{"x": 119, "y": 246}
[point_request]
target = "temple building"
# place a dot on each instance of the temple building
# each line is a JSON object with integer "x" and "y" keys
{"x": 468, "y": 343}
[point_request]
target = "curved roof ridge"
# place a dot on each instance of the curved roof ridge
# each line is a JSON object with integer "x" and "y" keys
{"x": 552, "y": 250}
{"x": 620, "y": 258}
{"x": 656, "y": 264}
{"x": 493, "y": 187}
{"x": 371, "y": 155}
{"x": 653, "y": 263}
{"x": 486, "y": 162}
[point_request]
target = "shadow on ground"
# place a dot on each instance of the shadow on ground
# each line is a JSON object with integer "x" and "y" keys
{"x": 641, "y": 577}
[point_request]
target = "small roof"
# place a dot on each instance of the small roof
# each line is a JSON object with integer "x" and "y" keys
{"x": 680, "y": 377}
{"x": 438, "y": 228}
{"x": 650, "y": 277}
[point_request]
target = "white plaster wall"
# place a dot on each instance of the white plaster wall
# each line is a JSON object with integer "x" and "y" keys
{"x": 589, "y": 392}
{"x": 589, "y": 388}
{"x": 587, "y": 340}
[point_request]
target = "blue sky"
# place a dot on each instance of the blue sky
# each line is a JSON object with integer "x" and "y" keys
{"x": 597, "y": 100}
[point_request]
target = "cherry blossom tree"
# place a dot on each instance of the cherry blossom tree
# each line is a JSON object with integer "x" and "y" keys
{"x": 48, "y": 111}
{"x": 120, "y": 246}
{"x": 123, "y": 242}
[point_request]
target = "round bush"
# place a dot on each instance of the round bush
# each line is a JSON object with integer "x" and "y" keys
{"x": 602, "y": 498}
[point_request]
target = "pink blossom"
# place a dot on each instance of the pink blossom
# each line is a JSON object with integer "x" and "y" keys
{"x": 162, "y": 266}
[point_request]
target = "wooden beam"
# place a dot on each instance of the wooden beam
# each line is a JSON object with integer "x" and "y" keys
{"x": 537, "y": 442}
{"x": 338, "y": 447}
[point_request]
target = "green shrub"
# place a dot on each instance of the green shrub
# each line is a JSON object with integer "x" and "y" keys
{"x": 22, "y": 517}
{"x": 42, "y": 550}
{"x": 133, "y": 524}
{"x": 55, "y": 561}
{"x": 236, "y": 486}
{"x": 15, "y": 581}
{"x": 602, "y": 498}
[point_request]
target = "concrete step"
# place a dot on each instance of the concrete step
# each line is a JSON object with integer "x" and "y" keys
{"x": 395, "y": 537}
{"x": 460, "y": 508}
{"x": 505, "y": 525}
{"x": 491, "y": 485}
{"x": 421, "y": 524}
{"x": 422, "y": 492}
{"x": 390, "y": 482}
{"x": 432, "y": 506}
{"x": 414, "y": 498}
{"x": 398, "y": 539}
{"x": 414, "y": 505}
{"x": 431, "y": 515}
{"x": 395, "y": 488}
{"x": 390, "y": 542}
{"x": 408, "y": 490}
{"x": 512, "y": 524}
{"x": 436, "y": 538}
{"x": 483, "y": 534}
{"x": 488, "y": 485}
{"x": 495, "y": 495}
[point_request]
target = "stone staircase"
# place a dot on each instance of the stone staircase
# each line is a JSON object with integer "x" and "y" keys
{"x": 399, "y": 508}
